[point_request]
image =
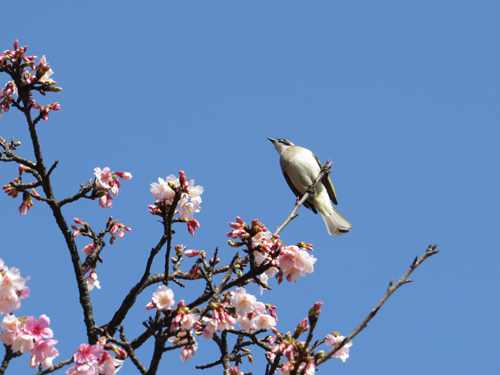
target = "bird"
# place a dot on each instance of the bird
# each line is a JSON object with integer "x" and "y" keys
{"x": 300, "y": 168}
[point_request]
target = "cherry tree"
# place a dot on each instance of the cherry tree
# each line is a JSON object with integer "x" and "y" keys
{"x": 238, "y": 323}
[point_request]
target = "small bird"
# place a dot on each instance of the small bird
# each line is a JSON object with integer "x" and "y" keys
{"x": 300, "y": 168}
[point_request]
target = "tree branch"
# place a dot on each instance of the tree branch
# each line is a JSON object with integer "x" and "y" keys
{"x": 431, "y": 250}
{"x": 324, "y": 172}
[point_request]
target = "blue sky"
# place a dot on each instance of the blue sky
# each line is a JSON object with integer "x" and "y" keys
{"x": 402, "y": 96}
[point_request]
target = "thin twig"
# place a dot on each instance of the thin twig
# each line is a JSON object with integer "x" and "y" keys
{"x": 431, "y": 250}
{"x": 324, "y": 172}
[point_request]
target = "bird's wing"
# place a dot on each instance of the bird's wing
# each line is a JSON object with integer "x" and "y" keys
{"x": 327, "y": 182}
{"x": 297, "y": 194}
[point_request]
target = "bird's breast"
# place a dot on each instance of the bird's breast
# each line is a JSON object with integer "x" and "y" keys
{"x": 301, "y": 167}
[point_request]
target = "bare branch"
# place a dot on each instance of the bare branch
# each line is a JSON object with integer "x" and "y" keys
{"x": 431, "y": 250}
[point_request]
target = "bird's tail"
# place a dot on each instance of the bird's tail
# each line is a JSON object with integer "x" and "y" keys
{"x": 336, "y": 223}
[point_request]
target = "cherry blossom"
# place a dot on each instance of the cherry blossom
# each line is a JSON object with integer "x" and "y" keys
{"x": 163, "y": 188}
{"x": 107, "y": 183}
{"x": 11, "y": 287}
{"x": 188, "y": 351}
{"x": 163, "y": 299}
{"x": 333, "y": 339}
{"x": 243, "y": 302}
{"x": 92, "y": 281}
{"x": 189, "y": 199}
{"x": 295, "y": 262}
{"x": 39, "y": 328}
{"x": 109, "y": 365}
{"x": 44, "y": 353}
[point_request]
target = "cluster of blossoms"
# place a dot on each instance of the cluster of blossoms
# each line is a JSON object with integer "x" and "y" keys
{"x": 309, "y": 365}
{"x": 185, "y": 195}
{"x": 26, "y": 334}
{"x": 241, "y": 308}
{"x": 13, "y": 192}
{"x": 287, "y": 262}
{"x": 183, "y": 320}
{"x": 107, "y": 183}
{"x": 114, "y": 228}
{"x": 34, "y": 77}
{"x": 12, "y": 288}
{"x": 298, "y": 357}
{"x": 30, "y": 335}
{"x": 236, "y": 307}
{"x": 6, "y": 97}
{"x": 95, "y": 360}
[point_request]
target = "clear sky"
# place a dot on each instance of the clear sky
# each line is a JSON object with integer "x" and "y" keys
{"x": 401, "y": 95}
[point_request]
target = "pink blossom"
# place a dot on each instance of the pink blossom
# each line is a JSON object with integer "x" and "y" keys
{"x": 192, "y": 225}
{"x": 195, "y": 192}
{"x": 188, "y": 320}
{"x": 25, "y": 292}
{"x": 103, "y": 178}
{"x": 237, "y": 233}
{"x": 11, "y": 286}
{"x": 333, "y": 339}
{"x": 225, "y": 321}
{"x": 210, "y": 328}
{"x": 295, "y": 262}
{"x": 81, "y": 369}
{"x": 87, "y": 250}
{"x": 265, "y": 277}
{"x": 12, "y": 328}
{"x": 11, "y": 282}
{"x": 243, "y": 302}
{"x": 162, "y": 189}
{"x": 39, "y": 328}
{"x": 23, "y": 342}
{"x": 44, "y": 67}
{"x": 246, "y": 323}
{"x": 109, "y": 365}
{"x": 88, "y": 354}
{"x": 194, "y": 272}
{"x": 23, "y": 208}
{"x": 163, "y": 298}
{"x": 235, "y": 371}
{"x": 105, "y": 201}
{"x": 188, "y": 351}
{"x": 115, "y": 185}
{"x": 310, "y": 368}
{"x": 285, "y": 368}
{"x": 7, "y": 305}
{"x": 92, "y": 281}
{"x": 265, "y": 321}
{"x": 44, "y": 352}
{"x": 188, "y": 209}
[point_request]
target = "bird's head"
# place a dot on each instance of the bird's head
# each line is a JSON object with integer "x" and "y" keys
{"x": 281, "y": 144}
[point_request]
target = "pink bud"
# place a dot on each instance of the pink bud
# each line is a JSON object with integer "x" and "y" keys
{"x": 124, "y": 175}
{"x": 191, "y": 253}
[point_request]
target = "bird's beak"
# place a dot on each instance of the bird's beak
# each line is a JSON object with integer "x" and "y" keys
{"x": 272, "y": 140}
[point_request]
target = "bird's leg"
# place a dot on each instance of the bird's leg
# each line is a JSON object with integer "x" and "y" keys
{"x": 310, "y": 189}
